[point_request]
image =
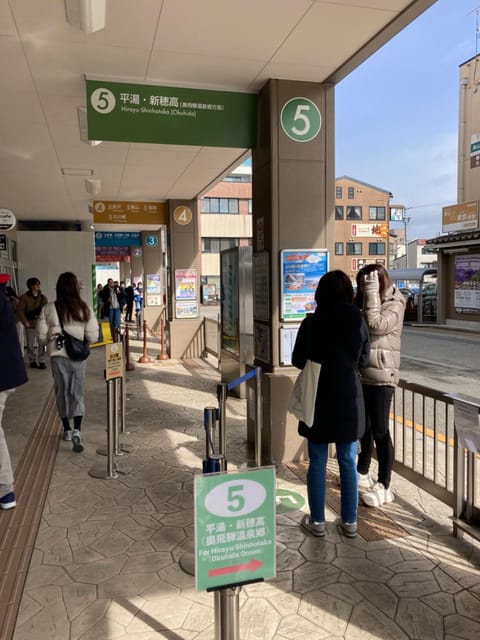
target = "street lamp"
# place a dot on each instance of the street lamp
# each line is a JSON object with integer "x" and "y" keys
{"x": 406, "y": 220}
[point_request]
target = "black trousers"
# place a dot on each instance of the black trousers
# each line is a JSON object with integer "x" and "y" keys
{"x": 377, "y": 416}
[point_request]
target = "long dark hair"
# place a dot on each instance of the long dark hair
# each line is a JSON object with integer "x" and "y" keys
{"x": 69, "y": 303}
{"x": 335, "y": 286}
{"x": 384, "y": 281}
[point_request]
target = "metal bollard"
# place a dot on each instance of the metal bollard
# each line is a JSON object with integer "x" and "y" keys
{"x": 111, "y": 472}
{"x": 129, "y": 365}
{"x": 222, "y": 390}
{"x": 227, "y": 613}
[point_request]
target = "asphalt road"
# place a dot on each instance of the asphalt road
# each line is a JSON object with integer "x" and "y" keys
{"x": 443, "y": 359}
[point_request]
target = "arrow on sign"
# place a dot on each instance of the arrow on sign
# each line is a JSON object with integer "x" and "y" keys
{"x": 252, "y": 566}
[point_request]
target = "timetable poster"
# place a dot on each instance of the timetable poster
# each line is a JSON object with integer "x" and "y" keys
{"x": 301, "y": 269}
{"x": 185, "y": 284}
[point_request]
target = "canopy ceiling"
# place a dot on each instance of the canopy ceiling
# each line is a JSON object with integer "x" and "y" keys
{"x": 210, "y": 44}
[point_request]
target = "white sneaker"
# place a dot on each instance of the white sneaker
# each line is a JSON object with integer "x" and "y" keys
{"x": 377, "y": 496}
{"x": 365, "y": 481}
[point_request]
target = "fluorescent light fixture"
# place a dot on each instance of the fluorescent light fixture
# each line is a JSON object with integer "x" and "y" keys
{"x": 93, "y": 186}
{"x": 87, "y": 15}
{"x": 83, "y": 126}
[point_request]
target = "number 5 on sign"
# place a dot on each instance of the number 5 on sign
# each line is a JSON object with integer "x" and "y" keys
{"x": 301, "y": 119}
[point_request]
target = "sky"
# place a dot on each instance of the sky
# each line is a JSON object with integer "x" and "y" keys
{"x": 396, "y": 116}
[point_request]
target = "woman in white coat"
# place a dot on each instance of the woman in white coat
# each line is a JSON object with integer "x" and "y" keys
{"x": 68, "y": 375}
{"x": 383, "y": 309}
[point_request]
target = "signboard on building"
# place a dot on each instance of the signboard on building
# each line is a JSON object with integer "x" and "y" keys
{"x": 121, "y": 212}
{"x": 125, "y": 112}
{"x": 118, "y": 239}
{"x": 7, "y": 220}
{"x": 373, "y": 230}
{"x": 397, "y": 214}
{"x": 460, "y": 217}
{"x": 475, "y": 150}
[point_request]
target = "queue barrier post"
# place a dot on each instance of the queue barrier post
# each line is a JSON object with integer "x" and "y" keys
{"x": 144, "y": 358}
{"x": 111, "y": 471}
{"x": 129, "y": 366}
{"x": 163, "y": 355}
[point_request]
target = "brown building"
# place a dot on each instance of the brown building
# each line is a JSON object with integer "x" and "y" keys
{"x": 361, "y": 225}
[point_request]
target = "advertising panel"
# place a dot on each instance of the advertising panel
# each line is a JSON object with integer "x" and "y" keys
{"x": 467, "y": 283}
{"x": 301, "y": 269}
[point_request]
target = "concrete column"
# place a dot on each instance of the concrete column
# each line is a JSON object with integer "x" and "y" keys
{"x": 293, "y": 204}
{"x": 152, "y": 266}
{"x": 184, "y": 254}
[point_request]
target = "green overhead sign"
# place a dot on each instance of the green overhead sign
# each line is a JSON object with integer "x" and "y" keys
{"x": 124, "y": 112}
{"x": 234, "y": 528}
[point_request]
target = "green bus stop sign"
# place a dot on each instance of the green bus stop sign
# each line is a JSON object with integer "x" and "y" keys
{"x": 301, "y": 119}
{"x": 234, "y": 527}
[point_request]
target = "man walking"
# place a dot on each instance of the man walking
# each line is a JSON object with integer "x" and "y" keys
{"x": 28, "y": 310}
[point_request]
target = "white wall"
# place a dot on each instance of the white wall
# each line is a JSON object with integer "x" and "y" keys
{"x": 47, "y": 254}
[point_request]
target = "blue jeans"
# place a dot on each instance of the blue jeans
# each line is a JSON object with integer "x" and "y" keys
{"x": 114, "y": 319}
{"x": 316, "y": 479}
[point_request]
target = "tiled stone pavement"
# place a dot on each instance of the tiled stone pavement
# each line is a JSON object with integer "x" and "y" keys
{"x": 106, "y": 560}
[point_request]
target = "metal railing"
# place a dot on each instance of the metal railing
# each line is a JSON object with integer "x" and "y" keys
{"x": 424, "y": 438}
{"x": 211, "y": 336}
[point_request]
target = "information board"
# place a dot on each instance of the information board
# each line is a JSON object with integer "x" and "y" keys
{"x": 301, "y": 269}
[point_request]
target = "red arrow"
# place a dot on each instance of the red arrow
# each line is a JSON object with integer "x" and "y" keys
{"x": 252, "y": 566}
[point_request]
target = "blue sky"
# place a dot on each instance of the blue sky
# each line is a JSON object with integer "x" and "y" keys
{"x": 397, "y": 115}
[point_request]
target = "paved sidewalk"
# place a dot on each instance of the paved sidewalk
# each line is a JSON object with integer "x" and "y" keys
{"x": 106, "y": 559}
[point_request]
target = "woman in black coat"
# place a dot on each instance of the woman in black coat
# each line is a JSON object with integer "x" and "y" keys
{"x": 12, "y": 374}
{"x": 337, "y": 337}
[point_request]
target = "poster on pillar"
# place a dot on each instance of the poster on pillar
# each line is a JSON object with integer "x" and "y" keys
{"x": 301, "y": 269}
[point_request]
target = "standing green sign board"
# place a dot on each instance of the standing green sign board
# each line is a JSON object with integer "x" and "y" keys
{"x": 124, "y": 112}
{"x": 234, "y": 527}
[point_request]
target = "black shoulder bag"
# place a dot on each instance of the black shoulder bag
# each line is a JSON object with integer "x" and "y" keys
{"x": 76, "y": 349}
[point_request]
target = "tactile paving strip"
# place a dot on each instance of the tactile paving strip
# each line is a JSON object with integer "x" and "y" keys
{"x": 19, "y": 526}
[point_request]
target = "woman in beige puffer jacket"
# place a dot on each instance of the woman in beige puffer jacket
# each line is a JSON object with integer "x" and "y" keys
{"x": 383, "y": 309}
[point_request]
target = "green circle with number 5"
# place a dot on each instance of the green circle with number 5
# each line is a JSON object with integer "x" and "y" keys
{"x": 301, "y": 119}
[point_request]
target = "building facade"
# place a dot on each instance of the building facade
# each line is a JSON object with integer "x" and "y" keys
{"x": 459, "y": 246}
{"x": 361, "y": 225}
{"x": 362, "y": 228}
{"x": 225, "y": 222}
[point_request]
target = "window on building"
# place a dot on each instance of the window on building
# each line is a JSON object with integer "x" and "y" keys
{"x": 215, "y": 245}
{"x": 339, "y": 248}
{"x": 354, "y": 213}
{"x": 376, "y": 213}
{"x": 376, "y": 248}
{"x": 219, "y": 205}
{"x": 338, "y": 193}
{"x": 354, "y": 248}
{"x": 250, "y": 209}
{"x": 351, "y": 193}
{"x": 338, "y": 213}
